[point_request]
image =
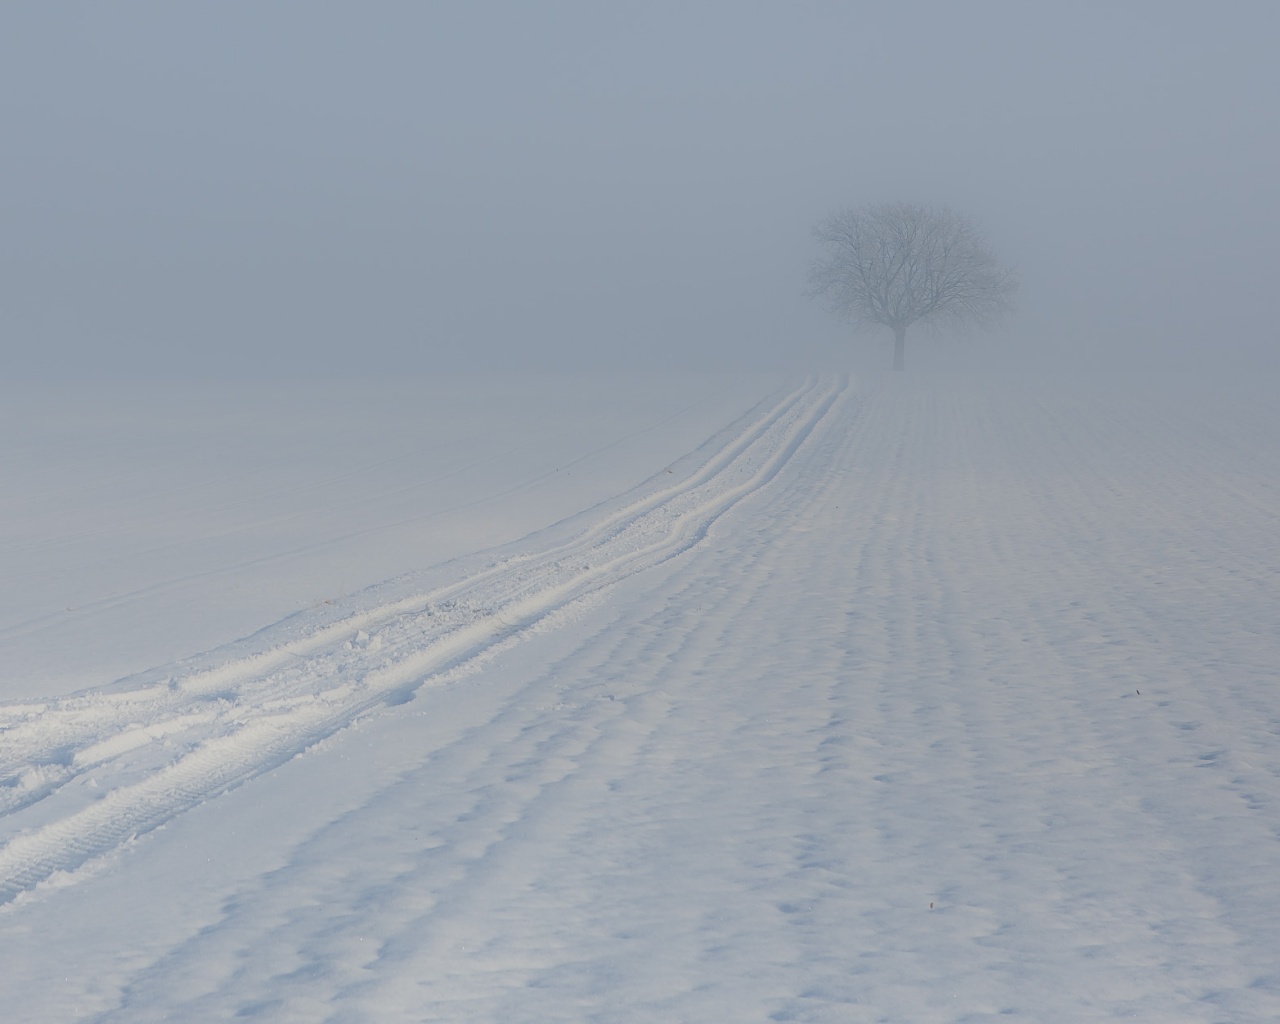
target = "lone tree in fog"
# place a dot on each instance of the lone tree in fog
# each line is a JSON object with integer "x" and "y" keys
{"x": 897, "y": 264}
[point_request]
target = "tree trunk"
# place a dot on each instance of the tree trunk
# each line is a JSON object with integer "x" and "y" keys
{"x": 899, "y": 348}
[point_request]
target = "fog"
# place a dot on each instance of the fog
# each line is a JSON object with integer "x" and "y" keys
{"x": 324, "y": 189}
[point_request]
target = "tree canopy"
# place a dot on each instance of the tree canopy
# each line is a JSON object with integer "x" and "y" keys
{"x": 898, "y": 264}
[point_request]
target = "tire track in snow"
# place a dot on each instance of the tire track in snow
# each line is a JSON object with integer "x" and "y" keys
{"x": 40, "y": 737}
{"x": 165, "y": 747}
{"x": 524, "y": 799}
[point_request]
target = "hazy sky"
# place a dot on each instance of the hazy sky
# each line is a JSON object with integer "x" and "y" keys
{"x": 237, "y": 188}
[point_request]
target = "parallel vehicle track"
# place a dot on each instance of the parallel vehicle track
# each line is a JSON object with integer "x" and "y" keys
{"x": 80, "y": 776}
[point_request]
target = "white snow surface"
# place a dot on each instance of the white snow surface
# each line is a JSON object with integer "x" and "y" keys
{"x": 897, "y": 699}
{"x": 142, "y": 523}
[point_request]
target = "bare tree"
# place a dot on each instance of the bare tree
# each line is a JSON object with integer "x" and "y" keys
{"x": 897, "y": 264}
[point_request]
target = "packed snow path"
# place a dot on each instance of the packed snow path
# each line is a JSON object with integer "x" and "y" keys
{"x": 957, "y": 704}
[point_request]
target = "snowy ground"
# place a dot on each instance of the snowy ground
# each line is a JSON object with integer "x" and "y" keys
{"x": 143, "y": 523}
{"x": 898, "y": 700}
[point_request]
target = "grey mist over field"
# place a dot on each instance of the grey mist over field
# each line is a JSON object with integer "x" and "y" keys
{"x": 244, "y": 189}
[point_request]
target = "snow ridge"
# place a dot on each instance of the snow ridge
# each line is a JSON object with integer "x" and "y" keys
{"x": 83, "y": 775}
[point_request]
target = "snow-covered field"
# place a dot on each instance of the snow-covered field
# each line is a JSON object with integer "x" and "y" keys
{"x": 891, "y": 699}
{"x": 143, "y": 523}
